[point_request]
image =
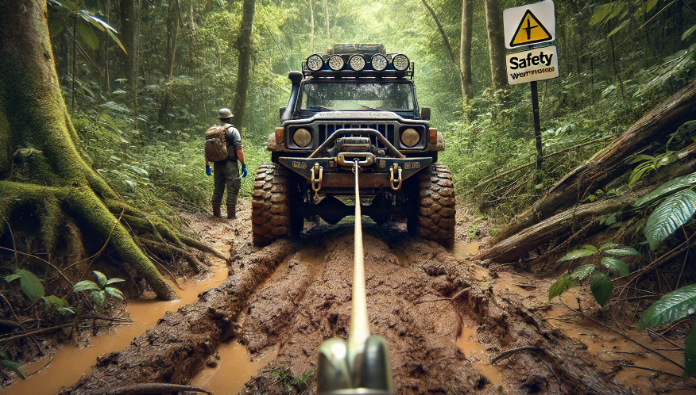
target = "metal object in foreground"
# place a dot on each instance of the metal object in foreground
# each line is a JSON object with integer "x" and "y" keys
{"x": 360, "y": 365}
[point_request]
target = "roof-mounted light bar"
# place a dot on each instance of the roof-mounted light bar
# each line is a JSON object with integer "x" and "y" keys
{"x": 356, "y": 65}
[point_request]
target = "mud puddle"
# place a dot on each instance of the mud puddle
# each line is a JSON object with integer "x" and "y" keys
{"x": 70, "y": 362}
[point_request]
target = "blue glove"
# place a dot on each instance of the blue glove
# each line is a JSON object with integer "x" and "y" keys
{"x": 244, "y": 170}
{"x": 207, "y": 170}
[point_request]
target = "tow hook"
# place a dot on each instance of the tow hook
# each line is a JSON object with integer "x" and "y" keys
{"x": 395, "y": 170}
{"x": 316, "y": 177}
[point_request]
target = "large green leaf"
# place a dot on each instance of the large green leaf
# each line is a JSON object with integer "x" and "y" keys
{"x": 563, "y": 284}
{"x": 99, "y": 297}
{"x": 54, "y": 302}
{"x": 101, "y": 278}
{"x": 616, "y": 266}
{"x": 582, "y": 272}
{"x": 84, "y": 285}
{"x": 114, "y": 292}
{"x": 671, "y": 307}
{"x": 690, "y": 353}
{"x": 30, "y": 284}
{"x": 601, "y": 13}
{"x": 115, "y": 280}
{"x": 575, "y": 254}
{"x": 626, "y": 251}
{"x": 87, "y": 35}
{"x": 669, "y": 216}
{"x": 666, "y": 189}
{"x": 601, "y": 288}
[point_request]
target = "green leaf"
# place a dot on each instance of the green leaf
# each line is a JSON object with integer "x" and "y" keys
{"x": 582, "y": 272}
{"x": 651, "y": 4}
{"x": 589, "y": 247}
{"x": 621, "y": 26}
{"x": 690, "y": 354}
{"x": 665, "y": 189}
{"x": 601, "y": 288}
{"x": 115, "y": 293}
{"x": 641, "y": 158}
{"x": 30, "y": 284}
{"x": 54, "y": 302}
{"x": 616, "y": 266}
{"x": 113, "y": 37}
{"x": 626, "y": 251}
{"x": 13, "y": 366}
{"x": 671, "y": 307}
{"x": 99, "y": 297}
{"x": 65, "y": 310}
{"x": 115, "y": 280}
{"x": 101, "y": 278}
{"x": 87, "y": 35}
{"x": 601, "y": 13}
{"x": 563, "y": 284}
{"x": 11, "y": 277}
{"x": 669, "y": 216}
{"x": 85, "y": 285}
{"x": 579, "y": 253}
{"x": 607, "y": 246}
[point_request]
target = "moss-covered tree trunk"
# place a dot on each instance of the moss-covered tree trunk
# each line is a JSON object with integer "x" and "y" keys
{"x": 41, "y": 168}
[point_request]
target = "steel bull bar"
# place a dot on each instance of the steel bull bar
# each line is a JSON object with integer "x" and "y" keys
{"x": 384, "y": 171}
{"x": 360, "y": 365}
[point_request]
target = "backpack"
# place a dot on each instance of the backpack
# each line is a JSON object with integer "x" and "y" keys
{"x": 216, "y": 143}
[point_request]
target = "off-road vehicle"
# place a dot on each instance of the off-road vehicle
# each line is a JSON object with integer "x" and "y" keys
{"x": 354, "y": 103}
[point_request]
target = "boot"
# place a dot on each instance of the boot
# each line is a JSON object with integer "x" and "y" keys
{"x": 216, "y": 210}
{"x": 231, "y": 212}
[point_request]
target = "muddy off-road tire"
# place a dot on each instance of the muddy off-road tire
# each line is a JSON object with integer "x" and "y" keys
{"x": 435, "y": 220}
{"x": 270, "y": 208}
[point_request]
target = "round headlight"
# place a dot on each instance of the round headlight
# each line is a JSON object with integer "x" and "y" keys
{"x": 400, "y": 62}
{"x": 302, "y": 137}
{"x": 336, "y": 62}
{"x": 315, "y": 62}
{"x": 379, "y": 62}
{"x": 357, "y": 62}
{"x": 410, "y": 137}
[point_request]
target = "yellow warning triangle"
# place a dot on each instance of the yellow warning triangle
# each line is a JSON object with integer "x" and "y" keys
{"x": 529, "y": 31}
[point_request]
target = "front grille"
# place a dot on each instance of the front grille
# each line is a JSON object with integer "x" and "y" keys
{"x": 386, "y": 129}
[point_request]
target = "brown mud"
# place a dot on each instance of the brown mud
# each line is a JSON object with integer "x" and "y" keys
{"x": 444, "y": 316}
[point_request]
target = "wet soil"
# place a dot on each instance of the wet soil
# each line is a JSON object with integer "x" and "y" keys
{"x": 444, "y": 316}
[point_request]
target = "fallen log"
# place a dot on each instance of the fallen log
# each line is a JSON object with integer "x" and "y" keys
{"x": 610, "y": 161}
{"x": 560, "y": 224}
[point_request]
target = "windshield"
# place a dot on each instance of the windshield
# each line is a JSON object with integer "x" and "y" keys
{"x": 353, "y": 96}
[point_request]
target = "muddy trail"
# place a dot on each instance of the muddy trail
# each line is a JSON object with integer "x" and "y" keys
{"x": 445, "y": 318}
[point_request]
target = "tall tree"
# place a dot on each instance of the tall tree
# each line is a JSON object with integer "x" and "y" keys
{"x": 311, "y": 18}
{"x": 128, "y": 39}
{"x": 170, "y": 56}
{"x": 244, "y": 45}
{"x": 496, "y": 44}
{"x": 43, "y": 176}
{"x": 465, "y": 51}
{"x": 328, "y": 32}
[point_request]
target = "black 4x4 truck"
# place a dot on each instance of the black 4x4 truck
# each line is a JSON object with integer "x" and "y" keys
{"x": 355, "y": 102}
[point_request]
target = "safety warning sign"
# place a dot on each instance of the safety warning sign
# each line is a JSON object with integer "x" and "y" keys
{"x": 530, "y": 24}
{"x": 536, "y": 65}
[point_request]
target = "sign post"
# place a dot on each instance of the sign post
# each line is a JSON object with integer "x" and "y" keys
{"x": 531, "y": 25}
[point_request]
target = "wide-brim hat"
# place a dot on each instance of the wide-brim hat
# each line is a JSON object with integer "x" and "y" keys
{"x": 225, "y": 113}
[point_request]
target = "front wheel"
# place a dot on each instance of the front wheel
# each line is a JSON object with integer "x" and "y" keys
{"x": 436, "y": 205}
{"x": 270, "y": 208}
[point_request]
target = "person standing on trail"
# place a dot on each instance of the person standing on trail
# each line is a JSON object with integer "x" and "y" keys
{"x": 223, "y": 146}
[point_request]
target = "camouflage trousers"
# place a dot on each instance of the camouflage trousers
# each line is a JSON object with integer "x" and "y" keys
{"x": 226, "y": 175}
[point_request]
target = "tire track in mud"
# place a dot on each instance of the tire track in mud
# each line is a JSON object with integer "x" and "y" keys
{"x": 306, "y": 300}
{"x": 408, "y": 291}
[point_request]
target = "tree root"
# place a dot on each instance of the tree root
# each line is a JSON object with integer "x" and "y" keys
{"x": 514, "y": 350}
{"x": 191, "y": 242}
{"x": 154, "y": 388}
{"x": 86, "y": 208}
{"x": 167, "y": 249}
